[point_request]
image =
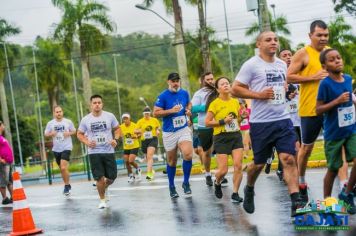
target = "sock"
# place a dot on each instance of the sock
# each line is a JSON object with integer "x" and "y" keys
{"x": 294, "y": 196}
{"x": 187, "y": 167}
{"x": 207, "y": 174}
{"x": 343, "y": 183}
{"x": 302, "y": 180}
{"x": 250, "y": 188}
{"x": 280, "y": 167}
{"x": 171, "y": 172}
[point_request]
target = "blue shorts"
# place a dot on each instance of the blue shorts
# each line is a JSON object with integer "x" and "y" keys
{"x": 264, "y": 136}
{"x": 310, "y": 127}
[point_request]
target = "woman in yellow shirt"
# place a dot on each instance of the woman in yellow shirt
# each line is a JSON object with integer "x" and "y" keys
{"x": 223, "y": 115}
{"x": 131, "y": 146}
{"x": 149, "y": 129}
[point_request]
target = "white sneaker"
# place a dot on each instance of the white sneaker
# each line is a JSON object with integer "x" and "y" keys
{"x": 102, "y": 204}
{"x": 139, "y": 173}
{"x": 131, "y": 179}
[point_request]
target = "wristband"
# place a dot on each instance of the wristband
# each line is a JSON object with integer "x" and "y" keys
{"x": 222, "y": 122}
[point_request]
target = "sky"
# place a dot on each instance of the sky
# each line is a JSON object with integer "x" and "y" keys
{"x": 38, "y": 17}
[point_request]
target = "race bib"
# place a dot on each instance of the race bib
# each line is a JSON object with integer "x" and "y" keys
{"x": 244, "y": 122}
{"x": 60, "y": 137}
{"x": 292, "y": 106}
{"x": 179, "y": 121}
{"x": 346, "y": 116}
{"x": 232, "y": 127}
{"x": 147, "y": 135}
{"x": 129, "y": 141}
{"x": 100, "y": 139}
{"x": 279, "y": 95}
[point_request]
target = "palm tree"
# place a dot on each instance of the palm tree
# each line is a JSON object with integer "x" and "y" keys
{"x": 6, "y": 30}
{"x": 53, "y": 71}
{"x": 83, "y": 20}
{"x": 278, "y": 25}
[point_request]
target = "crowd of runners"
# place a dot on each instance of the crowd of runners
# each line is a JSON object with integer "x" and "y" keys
{"x": 292, "y": 98}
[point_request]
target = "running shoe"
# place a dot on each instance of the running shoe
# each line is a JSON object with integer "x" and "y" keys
{"x": 186, "y": 188}
{"x": 280, "y": 175}
{"x": 173, "y": 193}
{"x": 224, "y": 181}
{"x": 148, "y": 178}
{"x": 139, "y": 173}
{"x": 249, "y": 202}
{"x": 67, "y": 189}
{"x": 6, "y": 201}
{"x": 218, "y": 192}
{"x": 208, "y": 180}
{"x": 102, "y": 204}
{"x": 131, "y": 179}
{"x": 298, "y": 204}
{"x": 303, "y": 191}
{"x": 349, "y": 200}
{"x": 236, "y": 198}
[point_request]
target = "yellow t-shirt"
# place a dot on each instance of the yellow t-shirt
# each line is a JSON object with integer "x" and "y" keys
{"x": 129, "y": 132}
{"x": 309, "y": 90}
{"x": 148, "y": 127}
{"x": 221, "y": 109}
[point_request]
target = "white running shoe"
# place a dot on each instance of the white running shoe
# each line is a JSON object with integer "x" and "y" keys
{"x": 131, "y": 179}
{"x": 139, "y": 173}
{"x": 102, "y": 204}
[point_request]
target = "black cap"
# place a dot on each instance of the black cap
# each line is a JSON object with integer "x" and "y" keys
{"x": 147, "y": 109}
{"x": 173, "y": 76}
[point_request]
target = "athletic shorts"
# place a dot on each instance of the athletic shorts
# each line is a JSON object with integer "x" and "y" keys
{"x": 333, "y": 151}
{"x": 264, "y": 136}
{"x": 225, "y": 143}
{"x": 103, "y": 164}
{"x": 65, "y": 155}
{"x": 5, "y": 175}
{"x": 206, "y": 138}
{"x": 196, "y": 141}
{"x": 172, "y": 139}
{"x": 310, "y": 127}
{"x": 133, "y": 151}
{"x": 152, "y": 142}
{"x": 298, "y": 133}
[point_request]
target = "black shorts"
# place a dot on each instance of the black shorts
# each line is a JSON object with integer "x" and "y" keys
{"x": 264, "y": 136}
{"x": 311, "y": 127}
{"x": 298, "y": 133}
{"x": 131, "y": 151}
{"x": 65, "y": 155}
{"x": 205, "y": 138}
{"x": 152, "y": 142}
{"x": 225, "y": 143}
{"x": 103, "y": 164}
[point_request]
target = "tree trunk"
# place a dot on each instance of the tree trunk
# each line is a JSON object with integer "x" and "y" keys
{"x": 179, "y": 44}
{"x": 53, "y": 97}
{"x": 87, "y": 91}
{"x": 5, "y": 113}
{"x": 204, "y": 38}
{"x": 263, "y": 12}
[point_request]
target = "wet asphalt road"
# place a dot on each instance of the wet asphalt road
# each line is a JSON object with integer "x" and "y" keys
{"x": 146, "y": 209}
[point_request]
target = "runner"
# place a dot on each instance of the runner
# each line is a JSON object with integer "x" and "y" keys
{"x": 336, "y": 103}
{"x": 149, "y": 129}
{"x": 305, "y": 69}
{"x": 60, "y": 130}
{"x": 198, "y": 150}
{"x": 95, "y": 131}
{"x": 245, "y": 126}
{"x": 131, "y": 146}
{"x": 262, "y": 79}
{"x": 223, "y": 115}
{"x": 6, "y": 160}
{"x": 174, "y": 106}
{"x": 205, "y": 134}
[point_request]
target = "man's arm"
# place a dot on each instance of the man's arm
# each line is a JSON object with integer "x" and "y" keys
{"x": 299, "y": 61}
{"x": 160, "y": 112}
{"x": 242, "y": 91}
{"x": 322, "y": 107}
{"x": 82, "y": 138}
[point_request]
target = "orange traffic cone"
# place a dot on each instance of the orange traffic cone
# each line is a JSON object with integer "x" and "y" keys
{"x": 22, "y": 222}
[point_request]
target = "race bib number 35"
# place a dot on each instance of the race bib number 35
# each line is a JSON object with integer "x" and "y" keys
{"x": 232, "y": 127}
{"x": 346, "y": 116}
{"x": 279, "y": 95}
{"x": 179, "y": 121}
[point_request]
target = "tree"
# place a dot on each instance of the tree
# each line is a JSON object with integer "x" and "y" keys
{"x": 278, "y": 25}
{"x": 54, "y": 73}
{"x": 6, "y": 30}
{"x": 84, "y": 20}
{"x": 348, "y": 5}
